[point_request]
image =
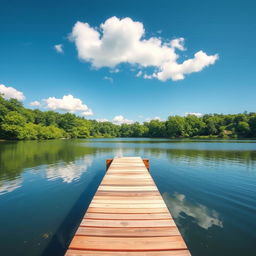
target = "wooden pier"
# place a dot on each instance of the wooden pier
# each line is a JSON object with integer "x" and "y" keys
{"x": 127, "y": 216}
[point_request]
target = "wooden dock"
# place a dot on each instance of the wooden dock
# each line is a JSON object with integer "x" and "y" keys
{"x": 127, "y": 217}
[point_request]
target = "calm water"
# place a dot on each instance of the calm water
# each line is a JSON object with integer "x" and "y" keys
{"x": 209, "y": 186}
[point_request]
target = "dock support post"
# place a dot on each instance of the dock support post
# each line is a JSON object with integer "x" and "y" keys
{"x": 145, "y": 161}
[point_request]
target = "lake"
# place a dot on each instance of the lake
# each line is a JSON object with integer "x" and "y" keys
{"x": 209, "y": 187}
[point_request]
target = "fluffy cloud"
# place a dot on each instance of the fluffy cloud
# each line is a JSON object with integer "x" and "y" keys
{"x": 10, "y": 92}
{"x": 35, "y": 103}
{"x": 102, "y": 120}
{"x": 193, "y": 113}
{"x": 67, "y": 103}
{"x": 87, "y": 113}
{"x": 177, "y": 71}
{"x": 108, "y": 78}
{"x": 59, "y": 48}
{"x": 154, "y": 118}
{"x": 157, "y": 118}
{"x": 139, "y": 73}
{"x": 122, "y": 41}
{"x": 178, "y": 43}
{"x": 121, "y": 120}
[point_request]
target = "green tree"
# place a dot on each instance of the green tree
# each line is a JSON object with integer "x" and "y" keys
{"x": 243, "y": 129}
{"x": 175, "y": 126}
{"x": 12, "y": 125}
{"x": 194, "y": 126}
{"x": 252, "y": 123}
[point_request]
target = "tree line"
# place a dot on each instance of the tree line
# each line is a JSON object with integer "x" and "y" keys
{"x": 20, "y": 123}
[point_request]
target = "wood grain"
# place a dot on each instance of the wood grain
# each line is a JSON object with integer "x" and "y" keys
{"x": 127, "y": 243}
{"x": 127, "y": 216}
{"x": 128, "y": 232}
{"x": 120, "y": 216}
{"x": 125, "y": 253}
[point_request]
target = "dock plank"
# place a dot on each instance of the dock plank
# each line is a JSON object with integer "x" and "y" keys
{"x": 120, "y": 216}
{"x": 128, "y": 231}
{"x": 127, "y": 243}
{"x": 127, "y": 217}
{"x": 125, "y": 253}
{"x": 127, "y": 223}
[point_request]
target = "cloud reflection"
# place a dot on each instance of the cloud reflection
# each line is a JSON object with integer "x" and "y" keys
{"x": 7, "y": 186}
{"x": 68, "y": 172}
{"x": 204, "y": 216}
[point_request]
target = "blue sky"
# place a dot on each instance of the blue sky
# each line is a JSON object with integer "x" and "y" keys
{"x": 221, "y": 80}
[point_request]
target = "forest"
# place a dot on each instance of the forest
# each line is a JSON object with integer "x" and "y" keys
{"x": 20, "y": 123}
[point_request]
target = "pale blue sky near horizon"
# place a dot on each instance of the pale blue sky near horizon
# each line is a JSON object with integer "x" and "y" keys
{"x": 30, "y": 63}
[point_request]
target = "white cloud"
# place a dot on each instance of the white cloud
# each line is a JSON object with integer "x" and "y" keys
{"x": 35, "y": 103}
{"x": 139, "y": 73}
{"x": 121, "y": 120}
{"x": 89, "y": 112}
{"x": 154, "y": 118}
{"x": 157, "y": 118}
{"x": 110, "y": 79}
{"x": 67, "y": 103}
{"x": 147, "y": 76}
{"x": 193, "y": 113}
{"x": 59, "y": 48}
{"x": 178, "y": 43}
{"x": 177, "y": 71}
{"x": 122, "y": 41}
{"x": 115, "y": 70}
{"x": 102, "y": 120}
{"x": 10, "y": 92}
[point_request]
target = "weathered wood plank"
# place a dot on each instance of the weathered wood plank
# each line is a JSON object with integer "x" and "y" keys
{"x": 127, "y": 201}
{"x": 127, "y": 210}
{"x": 128, "y": 193}
{"x": 134, "y": 198}
{"x": 127, "y": 223}
{"x": 127, "y": 243}
{"x": 125, "y": 253}
{"x": 135, "y": 206}
{"x": 128, "y": 231}
{"x": 120, "y": 216}
{"x": 127, "y": 188}
{"x": 125, "y": 183}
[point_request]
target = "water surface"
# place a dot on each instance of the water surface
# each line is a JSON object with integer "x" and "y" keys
{"x": 209, "y": 186}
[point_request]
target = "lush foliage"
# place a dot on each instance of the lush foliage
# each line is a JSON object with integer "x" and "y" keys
{"x": 17, "y": 122}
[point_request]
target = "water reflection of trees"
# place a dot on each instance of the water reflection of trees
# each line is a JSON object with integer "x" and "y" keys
{"x": 190, "y": 155}
{"x": 16, "y": 156}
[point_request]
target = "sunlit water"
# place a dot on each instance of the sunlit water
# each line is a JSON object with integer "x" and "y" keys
{"x": 209, "y": 186}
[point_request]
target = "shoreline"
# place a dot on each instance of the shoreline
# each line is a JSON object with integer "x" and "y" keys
{"x": 180, "y": 138}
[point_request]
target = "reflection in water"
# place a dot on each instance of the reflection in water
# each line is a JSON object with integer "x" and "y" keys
{"x": 204, "y": 216}
{"x": 16, "y": 157}
{"x": 206, "y": 157}
{"x": 119, "y": 152}
{"x": 48, "y": 205}
{"x": 68, "y": 172}
{"x": 7, "y": 186}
